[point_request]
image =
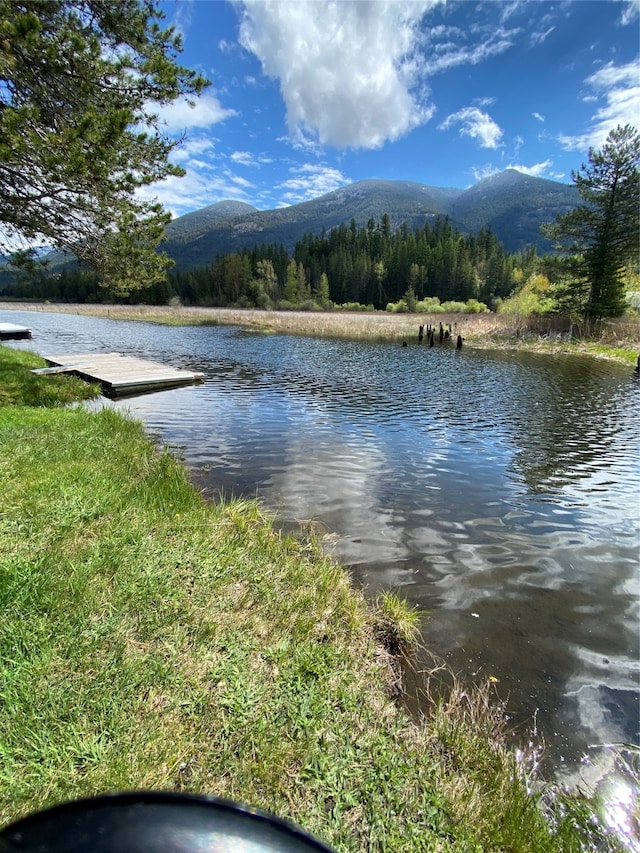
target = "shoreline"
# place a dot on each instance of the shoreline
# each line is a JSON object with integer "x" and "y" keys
{"x": 620, "y": 340}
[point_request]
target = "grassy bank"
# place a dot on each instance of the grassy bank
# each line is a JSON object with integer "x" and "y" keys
{"x": 151, "y": 640}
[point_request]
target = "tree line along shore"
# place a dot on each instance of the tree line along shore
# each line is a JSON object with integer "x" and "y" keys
{"x": 153, "y": 640}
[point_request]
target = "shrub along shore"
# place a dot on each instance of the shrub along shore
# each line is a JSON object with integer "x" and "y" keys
{"x": 152, "y": 640}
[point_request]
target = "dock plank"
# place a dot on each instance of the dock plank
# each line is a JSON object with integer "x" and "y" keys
{"x": 61, "y": 368}
{"x": 9, "y": 331}
{"x": 122, "y": 374}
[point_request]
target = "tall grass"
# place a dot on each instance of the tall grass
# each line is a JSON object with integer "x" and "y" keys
{"x": 478, "y": 330}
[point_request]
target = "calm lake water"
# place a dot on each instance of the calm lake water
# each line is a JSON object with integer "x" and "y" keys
{"x": 499, "y": 491}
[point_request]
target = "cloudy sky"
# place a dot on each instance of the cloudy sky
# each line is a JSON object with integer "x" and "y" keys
{"x": 309, "y": 95}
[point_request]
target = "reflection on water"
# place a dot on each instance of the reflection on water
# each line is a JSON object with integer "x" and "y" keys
{"x": 500, "y": 491}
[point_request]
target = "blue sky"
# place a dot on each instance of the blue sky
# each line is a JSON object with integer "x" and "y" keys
{"x": 307, "y": 96}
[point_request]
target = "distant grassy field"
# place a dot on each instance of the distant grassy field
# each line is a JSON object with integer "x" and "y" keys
{"x": 619, "y": 340}
{"x": 149, "y": 639}
{"x": 366, "y": 324}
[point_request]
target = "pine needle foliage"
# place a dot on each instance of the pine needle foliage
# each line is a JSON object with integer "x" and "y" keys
{"x": 80, "y": 85}
{"x": 600, "y": 237}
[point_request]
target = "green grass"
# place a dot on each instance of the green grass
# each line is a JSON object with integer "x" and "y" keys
{"x": 535, "y": 343}
{"x": 20, "y": 387}
{"x": 151, "y": 640}
{"x": 396, "y": 623}
{"x": 628, "y": 356}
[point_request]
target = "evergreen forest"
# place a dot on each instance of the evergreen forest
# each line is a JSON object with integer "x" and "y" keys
{"x": 370, "y": 266}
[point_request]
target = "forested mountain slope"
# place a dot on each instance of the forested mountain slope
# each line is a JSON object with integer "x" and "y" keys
{"x": 511, "y": 204}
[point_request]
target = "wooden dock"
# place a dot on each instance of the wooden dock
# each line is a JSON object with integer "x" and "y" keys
{"x": 9, "y": 332}
{"x": 119, "y": 374}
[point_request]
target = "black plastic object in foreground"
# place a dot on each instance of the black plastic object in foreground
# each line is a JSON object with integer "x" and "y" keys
{"x": 155, "y": 822}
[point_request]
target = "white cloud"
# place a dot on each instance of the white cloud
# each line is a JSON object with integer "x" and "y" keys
{"x": 348, "y": 71}
{"x": 181, "y": 115}
{"x": 476, "y": 124}
{"x": 538, "y": 37}
{"x": 242, "y": 158}
{"x": 207, "y": 180}
{"x": 198, "y": 188}
{"x": 510, "y": 9}
{"x": 488, "y": 43}
{"x": 246, "y": 158}
{"x": 630, "y": 11}
{"x": 619, "y": 86}
{"x": 299, "y": 142}
{"x": 237, "y": 181}
{"x": 611, "y": 76}
{"x": 182, "y": 15}
{"x": 484, "y": 102}
{"x": 309, "y": 181}
{"x": 481, "y": 172}
{"x": 192, "y": 147}
{"x": 538, "y": 170}
{"x": 538, "y": 117}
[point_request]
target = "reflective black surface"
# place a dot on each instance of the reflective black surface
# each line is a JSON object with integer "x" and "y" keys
{"x": 150, "y": 822}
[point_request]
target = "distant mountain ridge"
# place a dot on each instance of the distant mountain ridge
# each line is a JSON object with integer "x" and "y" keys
{"x": 199, "y": 222}
{"x": 513, "y": 205}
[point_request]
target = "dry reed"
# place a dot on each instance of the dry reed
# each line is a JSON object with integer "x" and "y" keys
{"x": 476, "y": 329}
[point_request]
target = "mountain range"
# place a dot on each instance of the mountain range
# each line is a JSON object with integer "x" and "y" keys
{"x": 511, "y": 204}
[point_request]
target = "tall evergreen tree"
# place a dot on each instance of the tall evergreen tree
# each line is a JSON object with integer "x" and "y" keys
{"x": 601, "y": 235}
{"x": 291, "y": 284}
{"x": 304, "y": 291}
{"x": 322, "y": 295}
{"x": 80, "y": 82}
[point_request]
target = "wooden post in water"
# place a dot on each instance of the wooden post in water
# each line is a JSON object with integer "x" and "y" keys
{"x": 459, "y": 342}
{"x": 420, "y": 332}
